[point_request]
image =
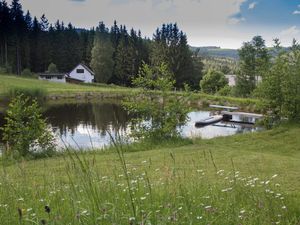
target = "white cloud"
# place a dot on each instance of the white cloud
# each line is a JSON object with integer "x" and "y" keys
{"x": 290, "y": 31}
{"x": 235, "y": 21}
{"x": 296, "y": 12}
{"x": 252, "y": 5}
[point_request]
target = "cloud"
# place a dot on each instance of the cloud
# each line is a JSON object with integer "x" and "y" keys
{"x": 204, "y": 21}
{"x": 290, "y": 31}
{"x": 296, "y": 12}
{"x": 235, "y": 21}
{"x": 252, "y": 5}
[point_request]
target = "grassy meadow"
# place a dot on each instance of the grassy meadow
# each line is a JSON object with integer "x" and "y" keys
{"x": 244, "y": 179}
{"x": 9, "y": 83}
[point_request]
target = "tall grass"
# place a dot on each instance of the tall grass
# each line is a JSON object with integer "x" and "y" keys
{"x": 141, "y": 193}
{"x": 34, "y": 93}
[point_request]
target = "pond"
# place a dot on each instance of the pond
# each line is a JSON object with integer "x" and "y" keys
{"x": 88, "y": 124}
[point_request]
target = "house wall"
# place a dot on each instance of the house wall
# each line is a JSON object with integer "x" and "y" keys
{"x": 86, "y": 76}
{"x": 53, "y": 79}
{"x": 231, "y": 80}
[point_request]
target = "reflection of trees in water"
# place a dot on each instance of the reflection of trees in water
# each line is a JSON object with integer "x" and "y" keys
{"x": 242, "y": 129}
{"x": 99, "y": 116}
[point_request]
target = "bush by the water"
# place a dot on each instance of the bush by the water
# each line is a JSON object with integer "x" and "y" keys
{"x": 213, "y": 81}
{"x": 164, "y": 112}
{"x": 26, "y": 133}
{"x": 34, "y": 92}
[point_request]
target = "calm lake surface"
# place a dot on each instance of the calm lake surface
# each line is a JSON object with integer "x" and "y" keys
{"x": 86, "y": 125}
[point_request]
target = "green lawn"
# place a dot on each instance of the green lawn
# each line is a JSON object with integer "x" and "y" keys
{"x": 8, "y": 83}
{"x": 243, "y": 179}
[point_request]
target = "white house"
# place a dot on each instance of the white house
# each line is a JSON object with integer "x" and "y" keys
{"x": 81, "y": 73}
{"x": 232, "y": 80}
{"x": 54, "y": 77}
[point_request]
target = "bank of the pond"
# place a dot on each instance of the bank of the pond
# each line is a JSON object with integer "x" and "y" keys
{"x": 58, "y": 91}
{"x": 243, "y": 179}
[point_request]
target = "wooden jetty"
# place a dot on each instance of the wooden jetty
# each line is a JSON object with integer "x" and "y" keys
{"x": 227, "y": 108}
{"x": 225, "y": 113}
{"x": 243, "y": 114}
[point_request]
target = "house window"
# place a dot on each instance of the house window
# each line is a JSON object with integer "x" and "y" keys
{"x": 59, "y": 77}
{"x": 80, "y": 70}
{"x": 48, "y": 77}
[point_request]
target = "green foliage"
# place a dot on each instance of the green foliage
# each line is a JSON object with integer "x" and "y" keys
{"x": 124, "y": 68}
{"x": 52, "y": 68}
{"x": 254, "y": 62}
{"x": 102, "y": 62}
{"x": 170, "y": 46}
{"x": 160, "y": 112}
{"x": 167, "y": 185}
{"x": 5, "y": 69}
{"x": 213, "y": 81}
{"x": 26, "y": 132}
{"x": 27, "y": 73}
{"x": 34, "y": 92}
{"x": 225, "y": 65}
{"x": 225, "y": 91}
{"x": 280, "y": 89}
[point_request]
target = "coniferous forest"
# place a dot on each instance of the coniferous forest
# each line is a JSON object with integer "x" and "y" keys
{"x": 115, "y": 54}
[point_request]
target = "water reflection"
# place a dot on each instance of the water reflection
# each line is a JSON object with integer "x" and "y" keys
{"x": 215, "y": 130}
{"x": 86, "y": 125}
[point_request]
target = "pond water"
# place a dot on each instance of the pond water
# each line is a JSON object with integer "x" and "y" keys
{"x": 86, "y": 125}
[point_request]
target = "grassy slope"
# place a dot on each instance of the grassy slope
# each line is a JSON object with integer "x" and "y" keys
{"x": 257, "y": 155}
{"x": 261, "y": 154}
{"x": 10, "y": 82}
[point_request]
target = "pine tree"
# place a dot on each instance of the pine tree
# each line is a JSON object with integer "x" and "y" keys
{"x": 5, "y": 32}
{"x": 170, "y": 46}
{"x": 102, "y": 53}
{"x": 19, "y": 29}
{"x": 254, "y": 62}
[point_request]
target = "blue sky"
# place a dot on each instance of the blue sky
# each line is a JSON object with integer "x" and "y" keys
{"x": 225, "y": 23}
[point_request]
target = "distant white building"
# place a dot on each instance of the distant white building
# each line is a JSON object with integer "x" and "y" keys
{"x": 81, "y": 73}
{"x": 54, "y": 77}
{"x": 232, "y": 79}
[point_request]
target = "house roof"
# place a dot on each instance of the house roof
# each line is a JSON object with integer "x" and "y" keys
{"x": 86, "y": 67}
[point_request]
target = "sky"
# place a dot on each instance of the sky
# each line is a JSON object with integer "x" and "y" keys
{"x": 224, "y": 23}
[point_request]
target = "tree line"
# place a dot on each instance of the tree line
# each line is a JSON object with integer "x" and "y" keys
{"x": 115, "y": 53}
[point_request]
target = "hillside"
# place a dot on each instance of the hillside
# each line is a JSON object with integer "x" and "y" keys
{"x": 212, "y": 51}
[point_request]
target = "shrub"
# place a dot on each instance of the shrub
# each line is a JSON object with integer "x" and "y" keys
{"x": 225, "y": 91}
{"x": 163, "y": 111}
{"x": 52, "y": 68}
{"x": 26, "y": 72}
{"x": 280, "y": 88}
{"x": 213, "y": 81}
{"x": 26, "y": 132}
{"x": 5, "y": 69}
{"x": 35, "y": 93}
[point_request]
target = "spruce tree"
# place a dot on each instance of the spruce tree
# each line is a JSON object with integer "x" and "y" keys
{"x": 102, "y": 56}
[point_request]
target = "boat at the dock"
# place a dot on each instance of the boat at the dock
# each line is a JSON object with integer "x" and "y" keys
{"x": 209, "y": 120}
{"x": 226, "y": 116}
